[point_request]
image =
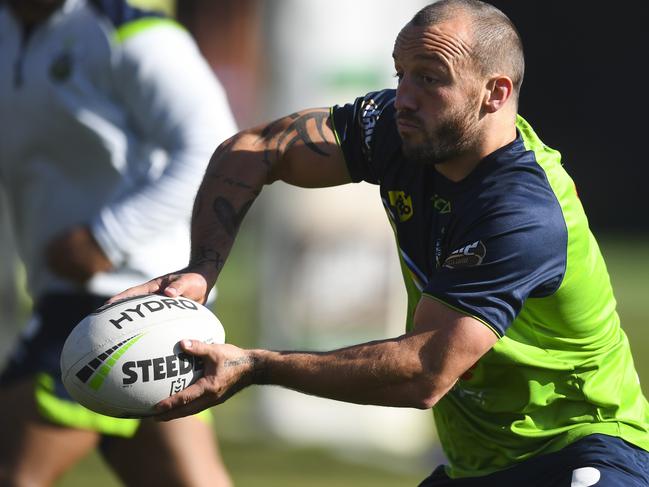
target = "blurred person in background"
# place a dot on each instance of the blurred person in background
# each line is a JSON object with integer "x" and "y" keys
{"x": 109, "y": 114}
{"x": 512, "y": 336}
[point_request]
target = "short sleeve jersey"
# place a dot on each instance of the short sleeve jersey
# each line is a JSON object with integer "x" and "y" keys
{"x": 510, "y": 246}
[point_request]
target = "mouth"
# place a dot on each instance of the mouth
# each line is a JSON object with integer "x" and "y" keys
{"x": 407, "y": 124}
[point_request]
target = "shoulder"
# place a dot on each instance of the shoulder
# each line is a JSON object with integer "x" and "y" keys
{"x": 132, "y": 25}
{"x": 369, "y": 110}
{"x": 119, "y": 12}
{"x": 514, "y": 201}
{"x": 514, "y": 177}
{"x": 366, "y": 132}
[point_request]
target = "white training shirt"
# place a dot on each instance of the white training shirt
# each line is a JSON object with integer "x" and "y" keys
{"x": 107, "y": 119}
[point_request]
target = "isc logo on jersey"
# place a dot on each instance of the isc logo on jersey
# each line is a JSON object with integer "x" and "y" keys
{"x": 369, "y": 115}
{"x": 469, "y": 255}
{"x": 124, "y": 358}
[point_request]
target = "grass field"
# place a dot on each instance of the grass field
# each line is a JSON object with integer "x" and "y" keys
{"x": 254, "y": 459}
{"x": 269, "y": 465}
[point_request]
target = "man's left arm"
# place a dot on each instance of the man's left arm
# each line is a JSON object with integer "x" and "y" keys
{"x": 413, "y": 370}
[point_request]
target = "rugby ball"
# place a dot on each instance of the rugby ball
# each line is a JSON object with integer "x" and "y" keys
{"x": 125, "y": 357}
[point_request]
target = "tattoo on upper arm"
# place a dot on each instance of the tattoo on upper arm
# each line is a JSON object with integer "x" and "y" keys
{"x": 297, "y": 131}
{"x": 221, "y": 151}
{"x": 233, "y": 182}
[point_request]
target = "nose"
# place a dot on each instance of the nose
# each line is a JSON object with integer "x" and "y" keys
{"x": 405, "y": 98}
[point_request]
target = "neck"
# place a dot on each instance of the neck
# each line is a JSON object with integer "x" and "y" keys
{"x": 496, "y": 135}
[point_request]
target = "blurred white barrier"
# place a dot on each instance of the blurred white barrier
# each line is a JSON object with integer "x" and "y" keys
{"x": 331, "y": 276}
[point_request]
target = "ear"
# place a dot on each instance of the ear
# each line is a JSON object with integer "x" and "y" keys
{"x": 498, "y": 91}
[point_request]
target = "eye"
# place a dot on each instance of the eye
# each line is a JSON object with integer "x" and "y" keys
{"x": 429, "y": 80}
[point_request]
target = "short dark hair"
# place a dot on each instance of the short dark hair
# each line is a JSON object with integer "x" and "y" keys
{"x": 497, "y": 45}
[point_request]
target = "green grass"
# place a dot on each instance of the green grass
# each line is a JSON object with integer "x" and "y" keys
{"x": 628, "y": 265}
{"x": 261, "y": 463}
{"x": 254, "y": 459}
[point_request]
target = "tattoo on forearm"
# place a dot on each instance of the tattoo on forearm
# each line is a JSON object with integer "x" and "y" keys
{"x": 202, "y": 255}
{"x": 239, "y": 361}
{"x": 230, "y": 218}
{"x": 259, "y": 373}
{"x": 198, "y": 206}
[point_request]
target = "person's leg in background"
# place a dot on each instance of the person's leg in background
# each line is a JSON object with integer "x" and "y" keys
{"x": 182, "y": 452}
{"x": 33, "y": 451}
{"x": 45, "y": 433}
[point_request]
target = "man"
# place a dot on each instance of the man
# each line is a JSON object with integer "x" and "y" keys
{"x": 512, "y": 336}
{"x": 108, "y": 116}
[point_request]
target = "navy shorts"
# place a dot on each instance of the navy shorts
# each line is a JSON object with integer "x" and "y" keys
{"x": 39, "y": 346}
{"x": 36, "y": 357}
{"x": 598, "y": 460}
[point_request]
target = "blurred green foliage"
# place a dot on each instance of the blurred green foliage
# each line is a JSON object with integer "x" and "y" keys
{"x": 627, "y": 259}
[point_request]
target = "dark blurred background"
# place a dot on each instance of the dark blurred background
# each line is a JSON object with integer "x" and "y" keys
{"x": 585, "y": 92}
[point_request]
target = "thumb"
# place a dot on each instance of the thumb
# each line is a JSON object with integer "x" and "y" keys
{"x": 195, "y": 347}
{"x": 174, "y": 286}
{"x": 191, "y": 286}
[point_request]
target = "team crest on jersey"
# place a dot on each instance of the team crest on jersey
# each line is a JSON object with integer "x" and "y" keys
{"x": 402, "y": 203}
{"x": 467, "y": 256}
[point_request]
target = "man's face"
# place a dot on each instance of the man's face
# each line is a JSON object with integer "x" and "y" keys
{"x": 438, "y": 95}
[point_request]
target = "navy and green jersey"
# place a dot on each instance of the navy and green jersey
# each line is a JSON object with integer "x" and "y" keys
{"x": 510, "y": 246}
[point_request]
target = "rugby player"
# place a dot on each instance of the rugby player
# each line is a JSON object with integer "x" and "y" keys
{"x": 512, "y": 337}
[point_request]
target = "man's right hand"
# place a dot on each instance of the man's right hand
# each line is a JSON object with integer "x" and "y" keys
{"x": 192, "y": 285}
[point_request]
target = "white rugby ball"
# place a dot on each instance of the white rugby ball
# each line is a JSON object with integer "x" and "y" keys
{"x": 125, "y": 357}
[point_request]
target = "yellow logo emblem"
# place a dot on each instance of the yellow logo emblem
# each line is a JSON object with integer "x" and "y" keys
{"x": 402, "y": 203}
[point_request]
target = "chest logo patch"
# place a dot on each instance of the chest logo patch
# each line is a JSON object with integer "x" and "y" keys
{"x": 467, "y": 256}
{"x": 402, "y": 203}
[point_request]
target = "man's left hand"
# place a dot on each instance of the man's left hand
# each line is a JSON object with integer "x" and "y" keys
{"x": 75, "y": 255}
{"x": 227, "y": 370}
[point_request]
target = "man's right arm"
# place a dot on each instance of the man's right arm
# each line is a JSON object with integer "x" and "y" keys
{"x": 299, "y": 149}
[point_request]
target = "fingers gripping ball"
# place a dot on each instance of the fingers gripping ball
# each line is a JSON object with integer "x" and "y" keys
{"x": 125, "y": 357}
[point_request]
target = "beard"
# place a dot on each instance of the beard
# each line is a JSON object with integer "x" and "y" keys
{"x": 454, "y": 135}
